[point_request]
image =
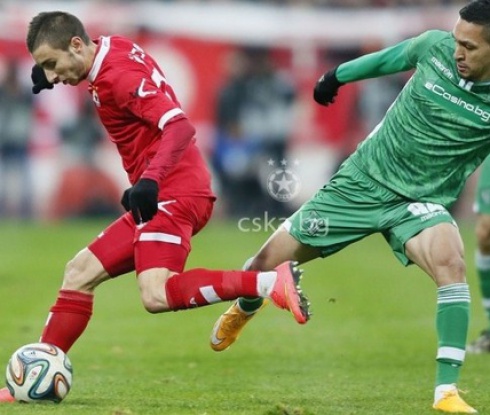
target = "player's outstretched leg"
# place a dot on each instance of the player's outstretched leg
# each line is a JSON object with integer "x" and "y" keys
{"x": 285, "y": 294}
{"x": 452, "y": 403}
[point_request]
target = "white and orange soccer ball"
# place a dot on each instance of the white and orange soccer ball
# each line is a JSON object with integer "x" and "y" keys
{"x": 39, "y": 372}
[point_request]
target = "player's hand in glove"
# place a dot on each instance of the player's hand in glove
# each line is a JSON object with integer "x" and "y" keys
{"x": 143, "y": 200}
{"x": 125, "y": 199}
{"x": 38, "y": 77}
{"x": 326, "y": 88}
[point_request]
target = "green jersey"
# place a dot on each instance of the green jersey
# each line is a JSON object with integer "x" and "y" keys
{"x": 436, "y": 133}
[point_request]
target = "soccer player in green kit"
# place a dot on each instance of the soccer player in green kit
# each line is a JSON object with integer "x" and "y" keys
{"x": 402, "y": 179}
{"x": 482, "y": 257}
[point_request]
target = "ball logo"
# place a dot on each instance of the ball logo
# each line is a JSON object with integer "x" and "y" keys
{"x": 39, "y": 372}
{"x": 283, "y": 184}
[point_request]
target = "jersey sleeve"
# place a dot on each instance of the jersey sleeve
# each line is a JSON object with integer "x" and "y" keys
{"x": 419, "y": 45}
{"x": 138, "y": 93}
{"x": 398, "y": 58}
{"x": 143, "y": 92}
{"x": 175, "y": 140}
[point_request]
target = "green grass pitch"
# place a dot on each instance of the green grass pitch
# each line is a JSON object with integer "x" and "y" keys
{"x": 368, "y": 349}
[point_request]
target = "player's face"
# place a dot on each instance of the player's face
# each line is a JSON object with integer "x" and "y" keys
{"x": 66, "y": 66}
{"x": 472, "y": 52}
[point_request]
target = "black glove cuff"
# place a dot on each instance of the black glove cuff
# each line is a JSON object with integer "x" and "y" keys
{"x": 331, "y": 78}
{"x": 148, "y": 184}
{"x": 327, "y": 87}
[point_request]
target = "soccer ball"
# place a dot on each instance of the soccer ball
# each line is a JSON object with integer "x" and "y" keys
{"x": 39, "y": 372}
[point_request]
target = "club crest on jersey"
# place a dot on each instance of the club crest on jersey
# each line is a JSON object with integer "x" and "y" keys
{"x": 95, "y": 97}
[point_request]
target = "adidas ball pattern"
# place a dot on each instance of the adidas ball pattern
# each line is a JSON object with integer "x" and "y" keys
{"x": 39, "y": 372}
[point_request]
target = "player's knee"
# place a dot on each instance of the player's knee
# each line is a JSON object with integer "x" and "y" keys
{"x": 152, "y": 284}
{"x": 451, "y": 269}
{"x": 83, "y": 273}
{"x": 74, "y": 276}
{"x": 152, "y": 302}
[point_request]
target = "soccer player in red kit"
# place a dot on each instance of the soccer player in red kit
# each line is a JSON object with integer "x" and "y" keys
{"x": 169, "y": 201}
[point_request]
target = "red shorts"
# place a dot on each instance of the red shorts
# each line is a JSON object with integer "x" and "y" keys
{"x": 163, "y": 242}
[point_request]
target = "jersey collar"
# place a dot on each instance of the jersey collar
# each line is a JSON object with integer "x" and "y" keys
{"x": 102, "y": 50}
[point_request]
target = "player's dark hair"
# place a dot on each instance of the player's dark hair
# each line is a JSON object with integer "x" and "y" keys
{"x": 56, "y": 29}
{"x": 478, "y": 12}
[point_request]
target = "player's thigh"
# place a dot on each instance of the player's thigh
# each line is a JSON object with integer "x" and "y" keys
{"x": 438, "y": 250}
{"x": 341, "y": 213}
{"x": 165, "y": 241}
{"x": 411, "y": 228}
{"x": 309, "y": 234}
{"x": 114, "y": 246}
{"x": 281, "y": 247}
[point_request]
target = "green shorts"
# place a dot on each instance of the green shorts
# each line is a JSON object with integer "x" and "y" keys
{"x": 352, "y": 206}
{"x": 482, "y": 196}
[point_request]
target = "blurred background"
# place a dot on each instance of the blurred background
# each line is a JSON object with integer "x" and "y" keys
{"x": 244, "y": 73}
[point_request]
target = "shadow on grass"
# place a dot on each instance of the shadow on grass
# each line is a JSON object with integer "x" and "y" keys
{"x": 281, "y": 409}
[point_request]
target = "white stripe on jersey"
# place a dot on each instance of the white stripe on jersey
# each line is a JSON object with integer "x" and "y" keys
{"x": 167, "y": 116}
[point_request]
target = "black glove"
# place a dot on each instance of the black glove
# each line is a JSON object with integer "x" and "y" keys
{"x": 326, "y": 88}
{"x": 125, "y": 199}
{"x": 39, "y": 80}
{"x": 143, "y": 200}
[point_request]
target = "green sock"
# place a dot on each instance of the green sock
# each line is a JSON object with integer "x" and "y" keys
{"x": 453, "y": 310}
{"x": 483, "y": 268}
{"x": 250, "y": 304}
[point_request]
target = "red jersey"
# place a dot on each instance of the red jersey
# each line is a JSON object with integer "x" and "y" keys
{"x": 136, "y": 104}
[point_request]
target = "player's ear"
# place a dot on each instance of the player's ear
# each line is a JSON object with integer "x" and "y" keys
{"x": 76, "y": 44}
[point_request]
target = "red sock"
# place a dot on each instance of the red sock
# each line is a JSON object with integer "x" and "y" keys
{"x": 68, "y": 318}
{"x": 199, "y": 287}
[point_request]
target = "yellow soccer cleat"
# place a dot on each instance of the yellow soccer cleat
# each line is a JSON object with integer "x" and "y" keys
{"x": 285, "y": 294}
{"x": 229, "y": 326}
{"x": 452, "y": 403}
